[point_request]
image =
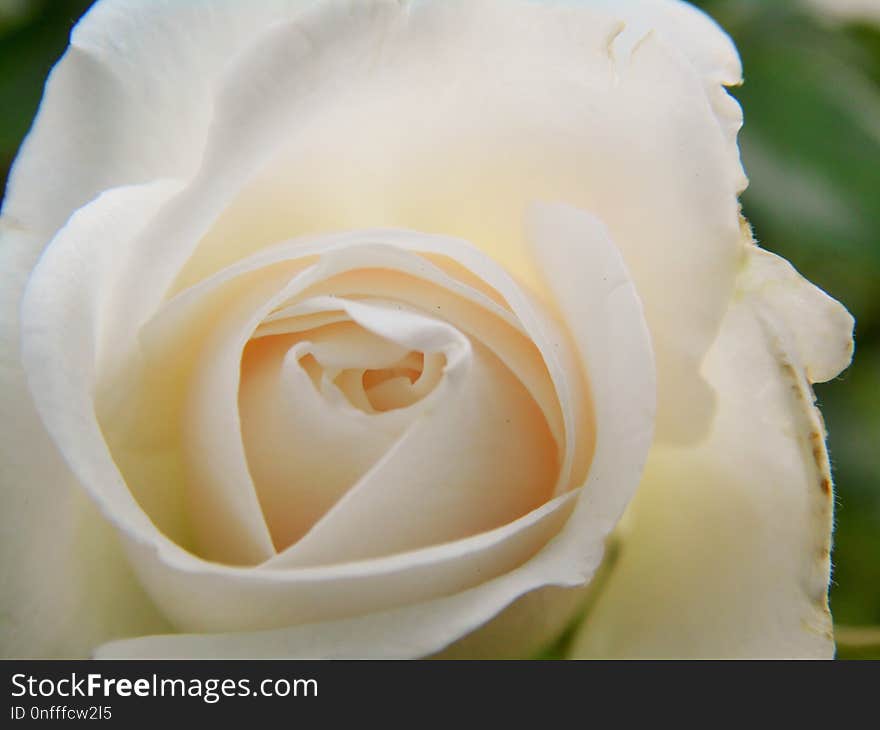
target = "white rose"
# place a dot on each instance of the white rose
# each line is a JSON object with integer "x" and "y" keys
{"x": 342, "y": 326}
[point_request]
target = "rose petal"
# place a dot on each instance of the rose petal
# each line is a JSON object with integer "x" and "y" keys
{"x": 711, "y": 51}
{"x": 130, "y": 101}
{"x": 819, "y": 327}
{"x": 726, "y": 550}
{"x": 208, "y": 597}
{"x": 67, "y": 585}
{"x": 693, "y": 31}
{"x": 565, "y": 241}
{"x": 294, "y": 433}
{"x": 65, "y": 306}
{"x": 413, "y": 631}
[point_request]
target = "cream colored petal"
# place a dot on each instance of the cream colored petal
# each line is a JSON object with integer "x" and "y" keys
{"x": 294, "y": 435}
{"x": 130, "y": 101}
{"x": 566, "y": 244}
{"x": 229, "y": 523}
{"x": 684, "y": 28}
{"x": 66, "y": 306}
{"x": 691, "y": 30}
{"x": 205, "y": 597}
{"x": 820, "y": 329}
{"x": 726, "y": 549}
{"x": 66, "y": 583}
{"x": 519, "y": 631}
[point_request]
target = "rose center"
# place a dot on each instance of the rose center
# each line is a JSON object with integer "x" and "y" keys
{"x": 315, "y": 384}
{"x": 379, "y": 389}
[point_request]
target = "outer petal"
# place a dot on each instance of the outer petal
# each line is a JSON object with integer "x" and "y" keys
{"x": 66, "y": 584}
{"x": 710, "y": 50}
{"x": 130, "y": 101}
{"x": 699, "y": 37}
{"x": 726, "y": 549}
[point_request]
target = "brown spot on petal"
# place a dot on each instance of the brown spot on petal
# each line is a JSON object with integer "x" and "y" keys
{"x": 818, "y": 446}
{"x": 821, "y": 419}
{"x": 745, "y": 227}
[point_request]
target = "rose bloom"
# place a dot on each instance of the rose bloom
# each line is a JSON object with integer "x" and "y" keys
{"x": 404, "y": 329}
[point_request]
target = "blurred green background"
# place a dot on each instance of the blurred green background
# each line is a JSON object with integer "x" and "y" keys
{"x": 811, "y": 146}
